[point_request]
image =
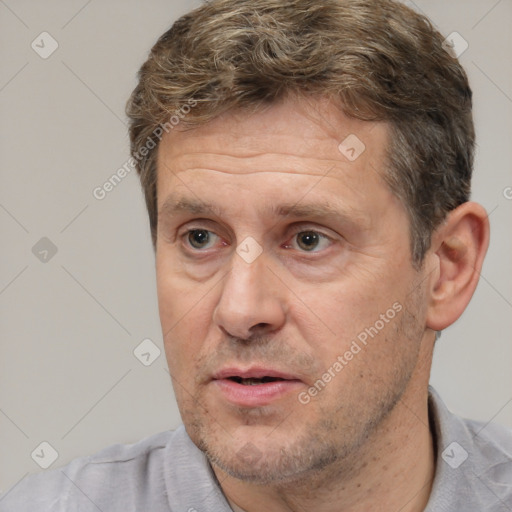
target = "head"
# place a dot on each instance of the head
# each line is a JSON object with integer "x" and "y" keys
{"x": 306, "y": 167}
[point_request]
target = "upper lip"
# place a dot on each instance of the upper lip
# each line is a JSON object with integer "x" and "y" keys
{"x": 254, "y": 372}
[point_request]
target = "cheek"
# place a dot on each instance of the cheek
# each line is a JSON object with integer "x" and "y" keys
{"x": 343, "y": 311}
{"x": 176, "y": 294}
{"x": 334, "y": 312}
{"x": 185, "y": 317}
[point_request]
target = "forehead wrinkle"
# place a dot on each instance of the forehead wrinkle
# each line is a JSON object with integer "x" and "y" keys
{"x": 299, "y": 173}
{"x": 254, "y": 163}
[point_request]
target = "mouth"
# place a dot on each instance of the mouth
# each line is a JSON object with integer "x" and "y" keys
{"x": 253, "y": 381}
{"x": 254, "y": 387}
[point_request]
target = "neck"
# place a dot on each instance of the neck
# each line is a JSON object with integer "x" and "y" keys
{"x": 394, "y": 470}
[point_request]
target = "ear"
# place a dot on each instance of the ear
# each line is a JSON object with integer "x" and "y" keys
{"x": 454, "y": 263}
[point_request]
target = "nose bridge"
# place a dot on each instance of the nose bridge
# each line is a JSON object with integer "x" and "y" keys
{"x": 250, "y": 298}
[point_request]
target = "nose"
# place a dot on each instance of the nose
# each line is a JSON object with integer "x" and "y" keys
{"x": 252, "y": 299}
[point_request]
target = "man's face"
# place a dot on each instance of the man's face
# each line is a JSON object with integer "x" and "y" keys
{"x": 290, "y": 308}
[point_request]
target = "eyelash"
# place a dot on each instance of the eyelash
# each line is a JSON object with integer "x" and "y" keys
{"x": 301, "y": 229}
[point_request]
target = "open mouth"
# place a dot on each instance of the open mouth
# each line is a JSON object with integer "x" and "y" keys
{"x": 256, "y": 386}
{"x": 254, "y": 381}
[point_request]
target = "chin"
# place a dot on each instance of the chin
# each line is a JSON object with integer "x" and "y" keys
{"x": 263, "y": 460}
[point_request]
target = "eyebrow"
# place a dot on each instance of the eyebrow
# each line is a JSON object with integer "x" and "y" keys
{"x": 175, "y": 206}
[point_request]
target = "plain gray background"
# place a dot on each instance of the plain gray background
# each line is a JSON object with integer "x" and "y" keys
{"x": 68, "y": 375}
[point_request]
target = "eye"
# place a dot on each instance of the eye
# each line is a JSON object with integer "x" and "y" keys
{"x": 311, "y": 241}
{"x": 200, "y": 238}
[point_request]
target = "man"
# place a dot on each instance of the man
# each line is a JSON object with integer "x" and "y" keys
{"x": 306, "y": 167}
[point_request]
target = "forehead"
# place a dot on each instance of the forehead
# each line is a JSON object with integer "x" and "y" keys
{"x": 301, "y": 124}
{"x": 291, "y": 144}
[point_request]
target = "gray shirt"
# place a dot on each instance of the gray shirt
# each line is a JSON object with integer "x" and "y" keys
{"x": 168, "y": 473}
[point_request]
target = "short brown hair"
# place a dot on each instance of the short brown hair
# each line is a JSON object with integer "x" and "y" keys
{"x": 378, "y": 59}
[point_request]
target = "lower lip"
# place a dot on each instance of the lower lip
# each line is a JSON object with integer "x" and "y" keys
{"x": 257, "y": 395}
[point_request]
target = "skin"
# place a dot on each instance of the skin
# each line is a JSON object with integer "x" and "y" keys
{"x": 363, "y": 442}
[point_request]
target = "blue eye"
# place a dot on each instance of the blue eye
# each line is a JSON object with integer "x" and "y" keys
{"x": 200, "y": 238}
{"x": 311, "y": 241}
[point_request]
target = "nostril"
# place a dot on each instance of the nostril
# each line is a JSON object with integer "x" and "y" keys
{"x": 259, "y": 327}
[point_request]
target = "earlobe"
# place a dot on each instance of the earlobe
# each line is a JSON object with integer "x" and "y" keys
{"x": 459, "y": 246}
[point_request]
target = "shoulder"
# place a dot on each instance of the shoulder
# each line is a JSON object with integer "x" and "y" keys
{"x": 490, "y": 448}
{"x": 165, "y": 472}
{"x": 474, "y": 462}
{"x": 86, "y": 479}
